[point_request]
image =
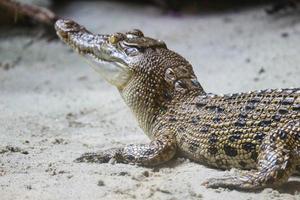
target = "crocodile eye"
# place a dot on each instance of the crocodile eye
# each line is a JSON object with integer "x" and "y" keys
{"x": 115, "y": 38}
{"x": 136, "y": 32}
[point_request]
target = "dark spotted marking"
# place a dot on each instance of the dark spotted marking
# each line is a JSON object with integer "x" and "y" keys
{"x": 216, "y": 119}
{"x": 234, "y": 137}
{"x": 243, "y": 114}
{"x": 282, "y": 134}
{"x": 240, "y": 122}
{"x": 254, "y": 156}
{"x": 283, "y": 111}
{"x": 163, "y": 109}
{"x": 160, "y": 127}
{"x": 230, "y": 151}
{"x": 280, "y": 173}
{"x": 265, "y": 123}
{"x": 172, "y": 119}
{"x": 130, "y": 157}
{"x": 149, "y": 151}
{"x": 292, "y": 123}
{"x": 167, "y": 96}
{"x": 259, "y": 136}
{"x": 255, "y": 100}
{"x": 212, "y": 150}
{"x": 180, "y": 129}
{"x": 296, "y": 107}
{"x": 263, "y": 147}
{"x": 242, "y": 164}
{"x": 270, "y": 180}
{"x": 195, "y": 120}
{"x": 211, "y": 108}
{"x": 287, "y": 101}
{"x": 273, "y": 138}
{"x": 250, "y": 106}
{"x": 276, "y": 117}
{"x": 284, "y": 153}
{"x": 201, "y": 104}
{"x": 204, "y": 129}
{"x": 297, "y": 136}
{"x": 193, "y": 147}
{"x": 219, "y": 110}
{"x": 260, "y": 93}
{"x": 248, "y": 146}
{"x": 212, "y": 139}
{"x": 159, "y": 142}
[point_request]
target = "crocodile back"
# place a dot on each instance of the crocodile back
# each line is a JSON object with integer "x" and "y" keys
{"x": 227, "y": 130}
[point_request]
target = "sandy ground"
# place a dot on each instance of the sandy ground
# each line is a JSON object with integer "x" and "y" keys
{"x": 53, "y": 107}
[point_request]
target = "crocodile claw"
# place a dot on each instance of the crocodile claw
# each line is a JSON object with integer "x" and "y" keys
{"x": 99, "y": 157}
{"x": 231, "y": 182}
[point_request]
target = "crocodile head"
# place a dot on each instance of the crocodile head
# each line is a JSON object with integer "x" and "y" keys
{"x": 113, "y": 56}
{"x": 147, "y": 74}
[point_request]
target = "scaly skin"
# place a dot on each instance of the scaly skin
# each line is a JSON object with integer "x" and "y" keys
{"x": 257, "y": 131}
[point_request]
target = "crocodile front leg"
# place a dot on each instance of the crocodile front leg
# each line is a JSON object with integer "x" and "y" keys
{"x": 278, "y": 158}
{"x": 158, "y": 151}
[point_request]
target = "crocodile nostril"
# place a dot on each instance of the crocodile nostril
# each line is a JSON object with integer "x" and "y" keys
{"x": 67, "y": 26}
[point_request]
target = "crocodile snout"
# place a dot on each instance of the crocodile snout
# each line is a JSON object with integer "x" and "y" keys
{"x": 65, "y": 26}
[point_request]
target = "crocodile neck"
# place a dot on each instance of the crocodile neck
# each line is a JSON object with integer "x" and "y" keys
{"x": 151, "y": 94}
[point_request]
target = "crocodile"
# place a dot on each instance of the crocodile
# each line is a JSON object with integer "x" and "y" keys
{"x": 256, "y": 132}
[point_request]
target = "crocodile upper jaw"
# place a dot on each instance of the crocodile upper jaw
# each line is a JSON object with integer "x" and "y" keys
{"x": 104, "y": 58}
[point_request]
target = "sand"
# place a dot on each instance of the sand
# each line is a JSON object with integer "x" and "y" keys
{"x": 54, "y": 107}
